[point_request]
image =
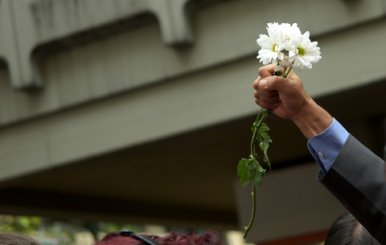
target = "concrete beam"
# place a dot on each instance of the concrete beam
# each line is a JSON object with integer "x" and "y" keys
{"x": 213, "y": 93}
{"x": 29, "y": 24}
{"x": 26, "y": 25}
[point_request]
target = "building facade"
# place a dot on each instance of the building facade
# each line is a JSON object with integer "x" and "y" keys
{"x": 139, "y": 110}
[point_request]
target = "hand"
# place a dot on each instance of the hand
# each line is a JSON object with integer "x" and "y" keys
{"x": 286, "y": 98}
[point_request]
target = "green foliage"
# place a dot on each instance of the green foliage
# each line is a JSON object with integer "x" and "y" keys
{"x": 22, "y": 224}
{"x": 251, "y": 170}
{"x": 263, "y": 140}
{"x": 59, "y": 232}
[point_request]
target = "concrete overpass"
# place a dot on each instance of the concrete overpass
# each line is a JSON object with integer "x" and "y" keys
{"x": 139, "y": 110}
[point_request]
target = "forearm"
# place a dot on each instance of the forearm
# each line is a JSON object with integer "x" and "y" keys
{"x": 312, "y": 119}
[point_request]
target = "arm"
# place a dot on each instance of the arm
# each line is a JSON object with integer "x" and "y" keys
{"x": 357, "y": 180}
{"x": 356, "y": 176}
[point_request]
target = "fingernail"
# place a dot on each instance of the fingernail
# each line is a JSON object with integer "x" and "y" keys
{"x": 263, "y": 83}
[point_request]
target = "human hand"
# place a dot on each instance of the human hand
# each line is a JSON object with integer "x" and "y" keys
{"x": 285, "y": 97}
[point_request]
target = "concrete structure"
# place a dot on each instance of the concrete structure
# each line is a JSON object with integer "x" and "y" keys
{"x": 139, "y": 109}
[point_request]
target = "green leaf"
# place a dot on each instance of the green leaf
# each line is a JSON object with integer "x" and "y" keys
{"x": 249, "y": 170}
{"x": 264, "y": 140}
{"x": 258, "y": 180}
{"x": 242, "y": 171}
{"x": 258, "y": 177}
{"x": 262, "y": 133}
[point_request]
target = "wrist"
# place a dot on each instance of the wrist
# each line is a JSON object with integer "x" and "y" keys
{"x": 312, "y": 119}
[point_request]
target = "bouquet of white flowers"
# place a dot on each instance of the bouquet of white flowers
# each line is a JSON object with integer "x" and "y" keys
{"x": 287, "y": 48}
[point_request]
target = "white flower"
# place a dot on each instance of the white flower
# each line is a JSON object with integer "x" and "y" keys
{"x": 275, "y": 45}
{"x": 287, "y": 46}
{"x": 304, "y": 52}
{"x": 269, "y": 49}
{"x": 271, "y": 44}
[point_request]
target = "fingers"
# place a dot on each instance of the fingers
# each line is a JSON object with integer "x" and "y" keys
{"x": 274, "y": 83}
{"x": 266, "y": 93}
{"x": 270, "y": 83}
{"x": 267, "y": 105}
{"x": 272, "y": 91}
{"x": 269, "y": 70}
{"x": 266, "y": 71}
{"x": 266, "y": 98}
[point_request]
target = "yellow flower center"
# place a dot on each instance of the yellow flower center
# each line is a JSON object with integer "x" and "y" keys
{"x": 301, "y": 51}
{"x": 274, "y": 47}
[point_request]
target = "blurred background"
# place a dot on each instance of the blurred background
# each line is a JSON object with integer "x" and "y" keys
{"x": 134, "y": 113}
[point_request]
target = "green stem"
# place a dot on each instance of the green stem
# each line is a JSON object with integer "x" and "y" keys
{"x": 253, "y": 140}
{"x": 287, "y": 71}
{"x": 261, "y": 116}
{"x": 252, "y": 218}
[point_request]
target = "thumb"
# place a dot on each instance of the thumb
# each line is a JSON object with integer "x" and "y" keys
{"x": 274, "y": 83}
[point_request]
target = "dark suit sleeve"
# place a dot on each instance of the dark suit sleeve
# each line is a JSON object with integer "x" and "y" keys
{"x": 357, "y": 179}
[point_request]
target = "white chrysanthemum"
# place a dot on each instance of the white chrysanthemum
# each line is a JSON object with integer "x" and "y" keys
{"x": 287, "y": 33}
{"x": 287, "y": 46}
{"x": 276, "y": 45}
{"x": 304, "y": 52}
{"x": 269, "y": 49}
{"x": 271, "y": 44}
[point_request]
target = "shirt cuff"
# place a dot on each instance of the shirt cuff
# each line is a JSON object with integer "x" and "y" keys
{"x": 326, "y": 146}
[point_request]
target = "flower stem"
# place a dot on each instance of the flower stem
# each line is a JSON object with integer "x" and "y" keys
{"x": 249, "y": 169}
{"x": 261, "y": 117}
{"x": 287, "y": 71}
{"x": 252, "y": 218}
{"x": 252, "y": 144}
